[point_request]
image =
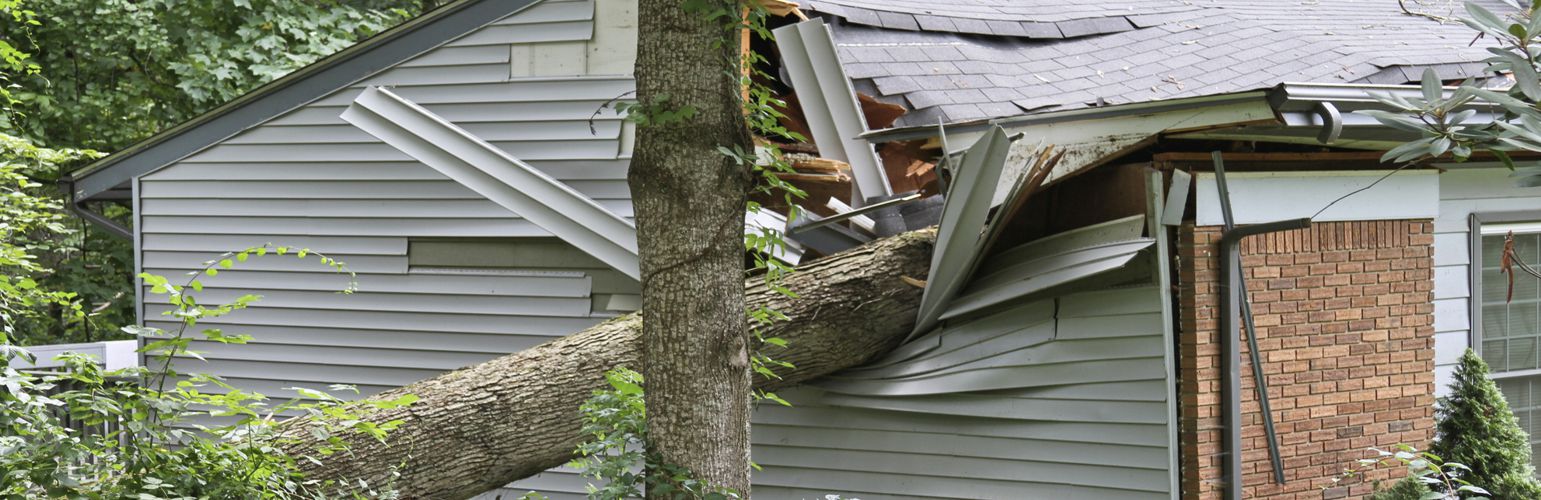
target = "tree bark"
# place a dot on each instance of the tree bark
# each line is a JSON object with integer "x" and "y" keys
{"x": 484, "y": 426}
{"x": 689, "y": 199}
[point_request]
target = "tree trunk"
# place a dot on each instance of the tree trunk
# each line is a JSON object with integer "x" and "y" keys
{"x": 689, "y": 200}
{"x": 484, "y": 426}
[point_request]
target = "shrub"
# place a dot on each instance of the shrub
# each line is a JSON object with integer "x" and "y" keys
{"x": 1476, "y": 428}
{"x": 1406, "y": 489}
{"x": 143, "y": 433}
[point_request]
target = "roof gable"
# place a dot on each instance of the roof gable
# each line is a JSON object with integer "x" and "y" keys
{"x": 280, "y": 96}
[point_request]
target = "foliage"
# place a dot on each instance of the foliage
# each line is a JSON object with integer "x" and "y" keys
{"x": 1406, "y": 489}
{"x": 615, "y": 424}
{"x": 1476, "y": 428}
{"x": 1428, "y": 476}
{"x": 33, "y": 227}
{"x": 119, "y": 70}
{"x": 82, "y": 433}
{"x": 1442, "y": 121}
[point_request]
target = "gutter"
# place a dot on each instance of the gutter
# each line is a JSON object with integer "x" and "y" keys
{"x": 1327, "y": 105}
{"x": 1234, "y": 287}
{"x": 79, "y": 208}
{"x": 1072, "y": 115}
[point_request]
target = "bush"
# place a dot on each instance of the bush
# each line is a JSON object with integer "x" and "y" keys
{"x": 1476, "y": 428}
{"x": 1406, "y": 489}
{"x": 144, "y": 433}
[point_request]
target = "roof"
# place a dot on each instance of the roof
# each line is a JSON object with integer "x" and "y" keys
{"x": 960, "y": 60}
{"x": 302, "y": 86}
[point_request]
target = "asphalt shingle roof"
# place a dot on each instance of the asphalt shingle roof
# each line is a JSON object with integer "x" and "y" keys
{"x": 959, "y": 60}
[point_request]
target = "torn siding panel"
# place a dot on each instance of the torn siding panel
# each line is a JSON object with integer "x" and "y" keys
{"x": 1061, "y": 396}
{"x": 504, "y": 179}
{"x": 960, "y": 240}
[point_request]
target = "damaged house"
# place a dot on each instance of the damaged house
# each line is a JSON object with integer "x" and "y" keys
{"x": 1076, "y": 337}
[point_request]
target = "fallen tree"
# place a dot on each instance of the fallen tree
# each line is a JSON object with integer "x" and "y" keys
{"x": 481, "y": 427}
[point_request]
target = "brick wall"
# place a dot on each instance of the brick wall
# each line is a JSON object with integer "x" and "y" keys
{"x": 1345, "y": 324}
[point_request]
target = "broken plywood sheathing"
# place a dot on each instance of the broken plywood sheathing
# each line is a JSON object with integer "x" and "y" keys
{"x": 829, "y": 104}
{"x": 497, "y": 175}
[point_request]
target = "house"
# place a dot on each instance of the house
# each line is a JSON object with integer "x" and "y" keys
{"x": 1070, "y": 343}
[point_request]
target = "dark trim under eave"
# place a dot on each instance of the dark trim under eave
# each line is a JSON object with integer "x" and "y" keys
{"x": 280, "y": 96}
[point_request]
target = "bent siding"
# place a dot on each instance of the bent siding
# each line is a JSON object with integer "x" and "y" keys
{"x": 539, "y": 84}
{"x": 1067, "y": 400}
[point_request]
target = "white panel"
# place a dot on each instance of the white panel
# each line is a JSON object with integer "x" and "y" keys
{"x": 1448, "y": 347}
{"x": 559, "y": 59}
{"x": 1270, "y": 196}
{"x": 1452, "y": 282}
{"x": 1451, "y": 249}
{"x": 613, "y": 50}
{"x": 1481, "y": 184}
{"x": 1451, "y": 315}
{"x": 1443, "y": 376}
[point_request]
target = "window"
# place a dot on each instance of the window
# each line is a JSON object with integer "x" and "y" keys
{"x": 1510, "y": 330}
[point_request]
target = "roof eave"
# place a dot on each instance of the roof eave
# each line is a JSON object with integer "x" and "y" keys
{"x": 1065, "y": 116}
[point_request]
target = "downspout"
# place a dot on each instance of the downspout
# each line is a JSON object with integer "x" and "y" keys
{"x": 1235, "y": 305}
{"x": 79, "y": 209}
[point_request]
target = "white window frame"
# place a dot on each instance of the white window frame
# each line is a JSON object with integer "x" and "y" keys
{"x": 1495, "y": 223}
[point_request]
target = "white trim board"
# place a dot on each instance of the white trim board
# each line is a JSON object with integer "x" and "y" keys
{"x": 1258, "y": 197}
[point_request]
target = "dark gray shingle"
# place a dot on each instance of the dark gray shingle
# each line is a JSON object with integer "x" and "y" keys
{"x": 968, "y": 57}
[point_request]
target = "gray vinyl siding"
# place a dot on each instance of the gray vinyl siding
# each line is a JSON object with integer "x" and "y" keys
{"x": 1463, "y": 192}
{"x": 1077, "y": 408}
{"x": 307, "y": 179}
{"x": 1080, "y": 411}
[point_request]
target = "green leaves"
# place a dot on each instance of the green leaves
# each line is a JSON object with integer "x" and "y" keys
{"x": 157, "y": 63}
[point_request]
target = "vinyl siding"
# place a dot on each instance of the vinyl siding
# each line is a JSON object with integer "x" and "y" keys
{"x": 1076, "y": 408}
{"x": 307, "y": 179}
{"x": 1463, "y": 192}
{"x": 1080, "y": 411}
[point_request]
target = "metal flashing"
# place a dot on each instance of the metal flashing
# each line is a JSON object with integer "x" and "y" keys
{"x": 497, "y": 175}
{"x": 960, "y": 237}
{"x": 829, "y": 103}
{"x": 1046, "y": 274}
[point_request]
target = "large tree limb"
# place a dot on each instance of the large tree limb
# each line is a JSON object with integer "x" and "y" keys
{"x": 481, "y": 427}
